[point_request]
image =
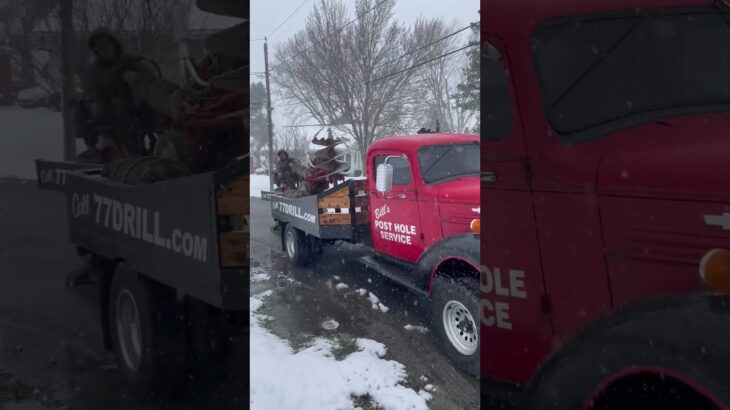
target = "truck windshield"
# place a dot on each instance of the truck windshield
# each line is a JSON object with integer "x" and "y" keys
{"x": 442, "y": 162}
{"x": 622, "y": 71}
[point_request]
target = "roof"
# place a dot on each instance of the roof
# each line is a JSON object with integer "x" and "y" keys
{"x": 516, "y": 14}
{"x": 413, "y": 142}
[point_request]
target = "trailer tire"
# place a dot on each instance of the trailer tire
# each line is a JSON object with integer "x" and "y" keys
{"x": 315, "y": 249}
{"x": 296, "y": 245}
{"x": 455, "y": 313}
{"x": 146, "y": 340}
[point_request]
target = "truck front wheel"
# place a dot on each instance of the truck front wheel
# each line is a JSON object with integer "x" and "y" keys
{"x": 455, "y": 312}
{"x": 146, "y": 343}
{"x": 296, "y": 245}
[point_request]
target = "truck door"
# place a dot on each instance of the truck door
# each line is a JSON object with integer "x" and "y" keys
{"x": 516, "y": 332}
{"x": 394, "y": 218}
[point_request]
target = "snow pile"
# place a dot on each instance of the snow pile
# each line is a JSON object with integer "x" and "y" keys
{"x": 362, "y": 291}
{"x": 258, "y": 275}
{"x": 341, "y": 286}
{"x": 416, "y": 328}
{"x": 259, "y": 183}
{"x": 312, "y": 379}
{"x": 375, "y": 302}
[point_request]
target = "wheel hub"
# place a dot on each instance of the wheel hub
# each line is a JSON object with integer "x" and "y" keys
{"x": 129, "y": 331}
{"x": 461, "y": 330}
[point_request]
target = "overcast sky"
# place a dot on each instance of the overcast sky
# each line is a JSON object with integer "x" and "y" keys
{"x": 266, "y": 15}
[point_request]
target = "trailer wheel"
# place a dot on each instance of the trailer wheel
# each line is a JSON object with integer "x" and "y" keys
{"x": 146, "y": 342}
{"x": 295, "y": 243}
{"x": 315, "y": 249}
{"x": 455, "y": 316}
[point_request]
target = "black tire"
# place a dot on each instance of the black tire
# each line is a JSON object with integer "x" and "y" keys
{"x": 461, "y": 297}
{"x": 296, "y": 245}
{"x": 315, "y": 249}
{"x": 152, "y": 359}
{"x": 575, "y": 376}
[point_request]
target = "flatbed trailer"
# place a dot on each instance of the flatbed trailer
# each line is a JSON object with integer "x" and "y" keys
{"x": 337, "y": 214}
{"x": 176, "y": 249}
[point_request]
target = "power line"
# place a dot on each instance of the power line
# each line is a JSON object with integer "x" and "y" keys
{"x": 472, "y": 44}
{"x": 422, "y": 63}
{"x": 339, "y": 30}
{"x": 429, "y": 44}
{"x": 290, "y": 16}
{"x": 313, "y": 125}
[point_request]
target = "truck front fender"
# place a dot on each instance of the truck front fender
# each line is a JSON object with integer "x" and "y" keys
{"x": 682, "y": 337}
{"x": 462, "y": 247}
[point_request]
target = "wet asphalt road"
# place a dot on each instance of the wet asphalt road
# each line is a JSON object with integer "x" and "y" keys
{"x": 300, "y": 310}
{"x": 51, "y": 353}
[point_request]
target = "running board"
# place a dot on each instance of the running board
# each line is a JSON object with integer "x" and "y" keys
{"x": 391, "y": 273}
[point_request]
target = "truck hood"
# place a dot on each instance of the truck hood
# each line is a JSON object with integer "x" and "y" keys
{"x": 458, "y": 204}
{"x": 696, "y": 170}
{"x": 459, "y": 191}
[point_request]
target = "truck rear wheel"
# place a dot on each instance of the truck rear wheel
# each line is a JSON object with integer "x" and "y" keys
{"x": 454, "y": 316}
{"x": 146, "y": 342}
{"x": 296, "y": 245}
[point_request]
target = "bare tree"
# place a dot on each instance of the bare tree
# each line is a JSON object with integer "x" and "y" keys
{"x": 353, "y": 71}
{"x": 439, "y": 79}
{"x": 20, "y": 18}
{"x": 294, "y": 141}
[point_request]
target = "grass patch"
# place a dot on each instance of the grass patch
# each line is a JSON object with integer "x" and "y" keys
{"x": 365, "y": 403}
{"x": 344, "y": 346}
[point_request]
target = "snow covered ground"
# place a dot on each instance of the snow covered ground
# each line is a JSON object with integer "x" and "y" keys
{"x": 259, "y": 183}
{"x": 27, "y": 135}
{"x": 317, "y": 377}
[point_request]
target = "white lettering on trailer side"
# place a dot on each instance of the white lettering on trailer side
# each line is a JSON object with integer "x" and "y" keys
{"x": 135, "y": 222}
{"x": 496, "y": 313}
{"x": 294, "y": 211}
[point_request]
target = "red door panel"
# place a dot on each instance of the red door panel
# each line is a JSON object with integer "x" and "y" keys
{"x": 515, "y": 329}
{"x": 395, "y": 221}
{"x": 573, "y": 261}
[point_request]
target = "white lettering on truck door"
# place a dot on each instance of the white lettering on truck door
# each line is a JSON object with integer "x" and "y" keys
{"x": 495, "y": 282}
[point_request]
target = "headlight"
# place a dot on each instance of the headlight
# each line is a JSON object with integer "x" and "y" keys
{"x": 475, "y": 226}
{"x": 715, "y": 270}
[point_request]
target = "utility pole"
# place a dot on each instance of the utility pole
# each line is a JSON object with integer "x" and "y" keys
{"x": 67, "y": 72}
{"x": 268, "y": 112}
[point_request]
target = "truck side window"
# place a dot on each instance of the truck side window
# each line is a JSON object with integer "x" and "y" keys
{"x": 496, "y": 106}
{"x": 401, "y": 169}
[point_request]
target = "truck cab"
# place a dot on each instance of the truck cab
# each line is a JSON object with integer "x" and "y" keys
{"x": 432, "y": 192}
{"x": 606, "y": 198}
{"x": 418, "y": 209}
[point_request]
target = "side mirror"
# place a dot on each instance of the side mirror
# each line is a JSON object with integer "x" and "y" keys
{"x": 384, "y": 178}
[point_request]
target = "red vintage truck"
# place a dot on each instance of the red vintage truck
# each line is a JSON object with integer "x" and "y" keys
{"x": 418, "y": 209}
{"x": 605, "y": 268}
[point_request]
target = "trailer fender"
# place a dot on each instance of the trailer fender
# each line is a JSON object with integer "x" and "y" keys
{"x": 462, "y": 247}
{"x": 682, "y": 338}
